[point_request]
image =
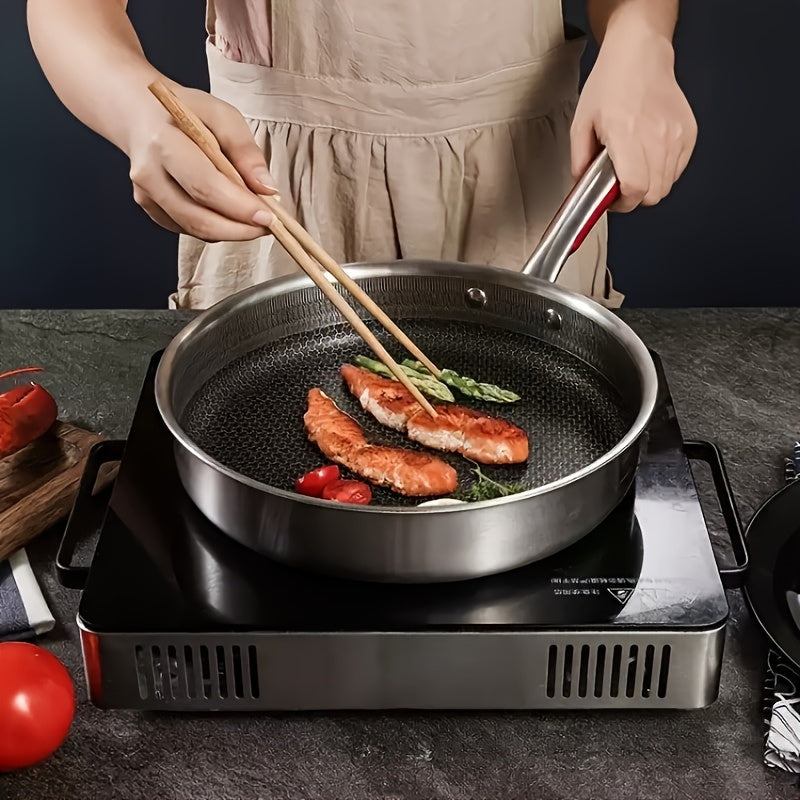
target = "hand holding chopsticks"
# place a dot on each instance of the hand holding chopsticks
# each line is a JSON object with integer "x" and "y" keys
{"x": 301, "y": 246}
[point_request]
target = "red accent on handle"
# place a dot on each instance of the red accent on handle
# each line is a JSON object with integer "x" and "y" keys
{"x": 613, "y": 194}
{"x": 91, "y": 662}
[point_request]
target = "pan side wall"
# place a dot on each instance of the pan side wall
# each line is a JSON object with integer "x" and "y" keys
{"x": 416, "y": 547}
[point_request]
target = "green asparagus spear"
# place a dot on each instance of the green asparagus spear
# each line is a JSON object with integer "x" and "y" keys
{"x": 424, "y": 381}
{"x": 467, "y": 386}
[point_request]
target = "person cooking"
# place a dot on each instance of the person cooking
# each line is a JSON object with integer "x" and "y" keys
{"x": 393, "y": 129}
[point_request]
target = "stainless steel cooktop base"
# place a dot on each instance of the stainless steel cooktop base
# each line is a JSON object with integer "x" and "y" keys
{"x": 530, "y": 669}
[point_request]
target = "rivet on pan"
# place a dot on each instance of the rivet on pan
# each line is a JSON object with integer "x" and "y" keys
{"x": 553, "y": 319}
{"x": 476, "y": 297}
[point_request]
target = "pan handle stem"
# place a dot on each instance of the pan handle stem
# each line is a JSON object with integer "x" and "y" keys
{"x": 589, "y": 199}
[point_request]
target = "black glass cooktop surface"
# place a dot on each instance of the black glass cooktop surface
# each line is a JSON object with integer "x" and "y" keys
{"x": 161, "y": 566}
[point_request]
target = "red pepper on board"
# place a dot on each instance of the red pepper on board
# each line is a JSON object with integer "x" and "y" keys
{"x": 26, "y": 413}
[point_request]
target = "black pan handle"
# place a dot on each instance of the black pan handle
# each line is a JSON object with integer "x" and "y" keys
{"x": 87, "y": 513}
{"x": 732, "y": 577}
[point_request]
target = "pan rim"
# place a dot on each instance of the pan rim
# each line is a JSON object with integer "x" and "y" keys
{"x": 585, "y": 306}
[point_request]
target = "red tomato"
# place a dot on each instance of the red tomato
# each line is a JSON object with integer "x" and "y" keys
{"x": 312, "y": 483}
{"x": 348, "y": 492}
{"x": 37, "y": 704}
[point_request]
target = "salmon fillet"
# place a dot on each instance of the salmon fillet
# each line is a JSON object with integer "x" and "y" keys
{"x": 479, "y": 436}
{"x": 342, "y": 440}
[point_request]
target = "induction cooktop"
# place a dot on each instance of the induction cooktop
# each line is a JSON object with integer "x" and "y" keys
{"x": 175, "y": 615}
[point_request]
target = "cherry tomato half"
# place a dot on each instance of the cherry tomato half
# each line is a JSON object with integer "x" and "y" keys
{"x": 37, "y": 704}
{"x": 312, "y": 483}
{"x": 348, "y": 492}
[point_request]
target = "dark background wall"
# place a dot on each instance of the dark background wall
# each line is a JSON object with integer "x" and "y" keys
{"x": 73, "y": 237}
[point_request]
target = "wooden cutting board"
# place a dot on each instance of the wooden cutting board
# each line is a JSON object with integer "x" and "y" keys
{"x": 39, "y": 483}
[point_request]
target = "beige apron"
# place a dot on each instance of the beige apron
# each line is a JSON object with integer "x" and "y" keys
{"x": 406, "y": 129}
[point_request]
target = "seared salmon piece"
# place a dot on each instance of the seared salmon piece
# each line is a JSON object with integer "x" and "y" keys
{"x": 485, "y": 439}
{"x": 388, "y": 401}
{"x": 342, "y": 440}
{"x": 407, "y": 472}
{"x": 479, "y": 436}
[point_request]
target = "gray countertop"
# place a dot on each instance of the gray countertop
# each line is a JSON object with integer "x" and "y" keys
{"x": 734, "y": 377}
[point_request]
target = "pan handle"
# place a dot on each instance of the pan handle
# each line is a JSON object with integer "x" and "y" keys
{"x": 585, "y": 204}
{"x": 732, "y": 577}
{"x": 86, "y": 515}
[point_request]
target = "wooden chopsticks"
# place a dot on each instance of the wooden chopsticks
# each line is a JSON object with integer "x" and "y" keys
{"x": 299, "y": 243}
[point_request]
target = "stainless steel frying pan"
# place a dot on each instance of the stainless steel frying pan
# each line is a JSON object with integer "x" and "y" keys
{"x": 231, "y": 387}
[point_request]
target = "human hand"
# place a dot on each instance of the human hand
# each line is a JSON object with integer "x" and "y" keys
{"x": 632, "y": 104}
{"x": 181, "y": 190}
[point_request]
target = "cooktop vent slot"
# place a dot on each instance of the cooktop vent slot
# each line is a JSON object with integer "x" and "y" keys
{"x": 206, "y": 672}
{"x": 616, "y": 671}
